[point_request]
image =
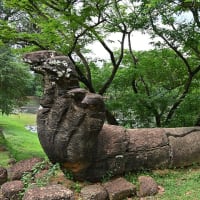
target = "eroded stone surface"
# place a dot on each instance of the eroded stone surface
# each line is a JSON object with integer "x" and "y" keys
{"x": 151, "y": 138}
{"x": 119, "y": 189}
{"x": 12, "y": 161}
{"x": 39, "y": 57}
{"x": 185, "y": 148}
{"x": 70, "y": 118}
{"x": 51, "y": 192}
{"x": 3, "y": 175}
{"x": 112, "y": 141}
{"x": 12, "y": 189}
{"x": 1, "y": 196}
{"x": 147, "y": 186}
{"x": 94, "y": 192}
{"x": 18, "y": 169}
{"x": 71, "y": 131}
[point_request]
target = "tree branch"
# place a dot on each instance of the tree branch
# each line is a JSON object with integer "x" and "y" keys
{"x": 179, "y": 100}
{"x": 81, "y": 76}
{"x": 145, "y": 86}
{"x": 27, "y": 41}
{"x": 190, "y": 73}
{"x": 196, "y": 70}
{"x": 195, "y": 14}
{"x": 114, "y": 63}
{"x": 134, "y": 59}
{"x": 170, "y": 45}
{"x": 85, "y": 63}
{"x": 35, "y": 7}
{"x": 83, "y": 33}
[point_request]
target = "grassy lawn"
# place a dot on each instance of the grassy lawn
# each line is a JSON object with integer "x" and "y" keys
{"x": 20, "y": 142}
{"x": 178, "y": 184}
{"x": 4, "y": 158}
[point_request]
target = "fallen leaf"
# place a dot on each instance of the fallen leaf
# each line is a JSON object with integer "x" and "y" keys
{"x": 161, "y": 189}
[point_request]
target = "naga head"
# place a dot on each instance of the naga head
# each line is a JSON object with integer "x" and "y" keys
{"x": 48, "y": 61}
{"x": 51, "y": 64}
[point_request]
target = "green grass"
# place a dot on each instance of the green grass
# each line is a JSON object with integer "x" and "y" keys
{"x": 178, "y": 184}
{"x": 20, "y": 142}
{"x": 4, "y": 158}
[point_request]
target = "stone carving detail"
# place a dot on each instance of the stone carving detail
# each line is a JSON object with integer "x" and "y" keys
{"x": 70, "y": 118}
{"x": 72, "y": 132}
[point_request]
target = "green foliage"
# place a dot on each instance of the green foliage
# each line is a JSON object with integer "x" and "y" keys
{"x": 107, "y": 176}
{"x": 69, "y": 27}
{"x": 4, "y": 155}
{"x": 68, "y": 174}
{"x": 4, "y": 158}
{"x": 45, "y": 23}
{"x": 157, "y": 90}
{"x": 143, "y": 95}
{"x": 188, "y": 111}
{"x": 29, "y": 178}
{"x": 14, "y": 81}
{"x": 76, "y": 186}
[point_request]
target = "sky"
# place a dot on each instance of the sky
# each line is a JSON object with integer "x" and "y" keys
{"x": 139, "y": 42}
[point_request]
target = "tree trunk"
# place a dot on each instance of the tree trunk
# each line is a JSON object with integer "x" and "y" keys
{"x": 110, "y": 118}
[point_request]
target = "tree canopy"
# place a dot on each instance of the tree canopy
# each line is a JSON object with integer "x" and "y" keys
{"x": 70, "y": 27}
{"x": 143, "y": 95}
{"x": 15, "y": 81}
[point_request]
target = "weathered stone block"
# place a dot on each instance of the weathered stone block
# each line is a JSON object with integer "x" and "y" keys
{"x": 145, "y": 139}
{"x": 12, "y": 189}
{"x": 18, "y": 169}
{"x": 1, "y": 196}
{"x": 3, "y": 175}
{"x": 112, "y": 141}
{"x": 119, "y": 189}
{"x": 51, "y": 192}
{"x": 94, "y": 192}
{"x": 147, "y": 186}
{"x": 155, "y": 158}
{"x": 184, "y": 146}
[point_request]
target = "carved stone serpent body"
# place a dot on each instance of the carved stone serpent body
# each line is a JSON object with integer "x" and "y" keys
{"x": 72, "y": 132}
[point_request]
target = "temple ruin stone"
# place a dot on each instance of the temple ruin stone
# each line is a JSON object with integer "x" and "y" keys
{"x": 72, "y": 131}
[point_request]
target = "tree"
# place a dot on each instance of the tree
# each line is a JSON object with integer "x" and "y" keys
{"x": 70, "y": 26}
{"x": 178, "y": 27}
{"x": 15, "y": 81}
{"x": 44, "y": 25}
{"x": 159, "y": 77}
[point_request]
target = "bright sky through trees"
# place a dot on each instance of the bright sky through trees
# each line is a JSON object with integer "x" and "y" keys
{"x": 140, "y": 42}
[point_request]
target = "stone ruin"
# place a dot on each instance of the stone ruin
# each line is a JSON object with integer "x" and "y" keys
{"x": 14, "y": 185}
{"x": 72, "y": 132}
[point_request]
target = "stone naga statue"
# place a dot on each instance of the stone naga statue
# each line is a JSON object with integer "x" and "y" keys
{"x": 72, "y": 132}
